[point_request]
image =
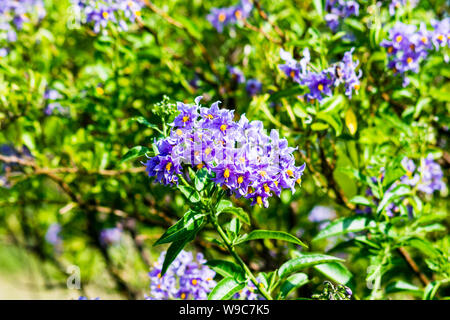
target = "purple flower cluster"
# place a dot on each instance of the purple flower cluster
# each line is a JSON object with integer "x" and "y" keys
{"x": 220, "y": 17}
{"x": 13, "y": 14}
{"x": 110, "y": 236}
{"x": 239, "y": 156}
{"x": 428, "y": 177}
{"x": 186, "y": 278}
{"x": 321, "y": 84}
{"x": 102, "y": 12}
{"x": 407, "y": 45}
{"x": 338, "y": 10}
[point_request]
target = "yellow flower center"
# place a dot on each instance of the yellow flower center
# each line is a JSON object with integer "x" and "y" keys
{"x": 440, "y": 37}
{"x": 194, "y": 282}
{"x": 185, "y": 119}
{"x": 137, "y": 13}
{"x": 223, "y": 127}
{"x": 100, "y": 91}
{"x": 208, "y": 151}
{"x": 276, "y": 183}
{"x": 168, "y": 166}
{"x": 399, "y": 39}
{"x": 320, "y": 87}
{"x": 390, "y": 49}
{"x": 292, "y": 74}
{"x": 409, "y": 173}
{"x": 424, "y": 40}
{"x": 289, "y": 172}
{"x": 266, "y": 188}
{"x": 409, "y": 60}
{"x": 238, "y": 14}
{"x": 259, "y": 200}
{"x": 105, "y": 14}
{"x": 262, "y": 173}
{"x": 226, "y": 173}
{"x": 240, "y": 179}
{"x": 222, "y": 17}
{"x": 210, "y": 116}
{"x": 242, "y": 159}
{"x": 200, "y": 165}
{"x": 357, "y": 86}
{"x": 299, "y": 180}
{"x": 159, "y": 275}
{"x": 183, "y": 296}
{"x": 179, "y": 132}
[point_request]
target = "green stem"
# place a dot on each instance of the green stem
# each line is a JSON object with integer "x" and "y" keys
{"x": 236, "y": 257}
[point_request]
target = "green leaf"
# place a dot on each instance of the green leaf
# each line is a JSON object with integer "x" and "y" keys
{"x": 227, "y": 269}
{"x": 393, "y": 172}
{"x": 200, "y": 179}
{"x": 332, "y": 120}
{"x": 144, "y": 121}
{"x": 397, "y": 192}
{"x": 190, "y": 222}
{"x": 335, "y": 271}
{"x": 362, "y": 201}
{"x": 134, "y": 153}
{"x": 173, "y": 251}
{"x": 303, "y": 262}
{"x": 431, "y": 290}
{"x": 419, "y": 106}
{"x": 226, "y": 289}
{"x": 345, "y": 225}
{"x": 289, "y": 92}
{"x": 318, "y": 126}
{"x": 402, "y": 286}
{"x": 269, "y": 234}
{"x": 424, "y": 246}
{"x": 238, "y": 212}
{"x": 355, "y": 24}
{"x": 223, "y": 204}
{"x": 292, "y": 282}
{"x": 190, "y": 193}
{"x": 318, "y": 6}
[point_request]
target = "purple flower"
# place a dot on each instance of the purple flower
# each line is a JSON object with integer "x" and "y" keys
{"x": 53, "y": 234}
{"x": 320, "y": 84}
{"x": 345, "y": 73}
{"x": 221, "y": 17}
{"x": 110, "y": 236}
{"x": 236, "y": 74}
{"x": 186, "y": 278}
{"x": 292, "y": 68}
{"x": 321, "y": 213}
{"x": 253, "y": 87}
